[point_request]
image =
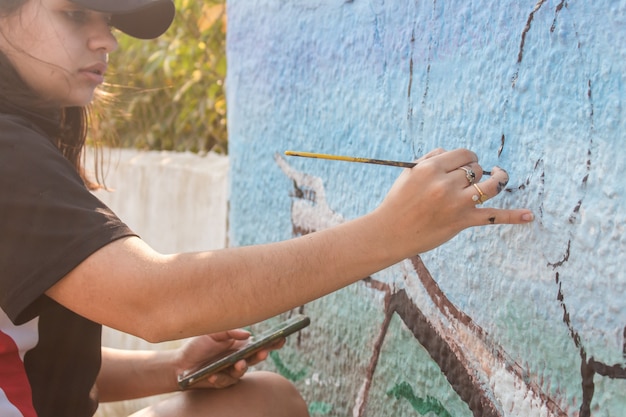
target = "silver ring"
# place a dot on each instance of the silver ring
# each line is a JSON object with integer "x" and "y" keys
{"x": 469, "y": 174}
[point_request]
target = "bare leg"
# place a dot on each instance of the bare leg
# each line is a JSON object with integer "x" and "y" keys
{"x": 258, "y": 394}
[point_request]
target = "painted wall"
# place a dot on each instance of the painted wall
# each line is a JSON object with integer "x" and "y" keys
{"x": 501, "y": 321}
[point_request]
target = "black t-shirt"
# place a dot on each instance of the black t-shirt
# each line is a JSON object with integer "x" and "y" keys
{"x": 49, "y": 223}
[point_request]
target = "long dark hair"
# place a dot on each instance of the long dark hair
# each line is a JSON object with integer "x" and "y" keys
{"x": 67, "y": 127}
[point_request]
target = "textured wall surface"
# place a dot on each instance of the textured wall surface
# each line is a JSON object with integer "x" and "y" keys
{"x": 501, "y": 321}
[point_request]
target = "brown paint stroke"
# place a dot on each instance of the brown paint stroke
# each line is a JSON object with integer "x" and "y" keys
{"x": 565, "y": 258}
{"x": 429, "y": 60}
{"x": 610, "y": 371}
{"x": 378, "y": 344}
{"x": 529, "y": 21}
{"x": 451, "y": 359}
{"x": 538, "y": 186}
{"x": 409, "y": 112}
{"x": 439, "y": 298}
{"x": 588, "y": 368}
{"x": 557, "y": 10}
{"x": 447, "y": 308}
{"x": 452, "y": 363}
{"x": 408, "y": 93}
{"x": 588, "y": 387}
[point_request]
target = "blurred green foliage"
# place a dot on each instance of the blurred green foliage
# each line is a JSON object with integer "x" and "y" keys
{"x": 168, "y": 93}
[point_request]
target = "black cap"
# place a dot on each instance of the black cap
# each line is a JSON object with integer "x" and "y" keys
{"x": 143, "y": 19}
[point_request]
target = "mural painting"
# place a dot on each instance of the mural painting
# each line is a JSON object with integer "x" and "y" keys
{"x": 477, "y": 368}
{"x": 508, "y": 321}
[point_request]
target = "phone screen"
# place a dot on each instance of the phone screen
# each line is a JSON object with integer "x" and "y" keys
{"x": 255, "y": 344}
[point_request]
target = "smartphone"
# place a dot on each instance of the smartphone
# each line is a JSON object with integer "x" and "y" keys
{"x": 255, "y": 344}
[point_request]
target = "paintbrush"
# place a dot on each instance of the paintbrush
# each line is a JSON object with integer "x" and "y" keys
{"x": 356, "y": 159}
{"x": 351, "y": 159}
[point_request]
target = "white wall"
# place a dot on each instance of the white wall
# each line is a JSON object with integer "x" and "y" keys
{"x": 175, "y": 201}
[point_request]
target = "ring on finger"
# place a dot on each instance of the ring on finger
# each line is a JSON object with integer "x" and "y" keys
{"x": 469, "y": 174}
{"x": 481, "y": 197}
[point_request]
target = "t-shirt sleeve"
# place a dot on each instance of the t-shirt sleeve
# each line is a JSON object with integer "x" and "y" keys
{"x": 49, "y": 221}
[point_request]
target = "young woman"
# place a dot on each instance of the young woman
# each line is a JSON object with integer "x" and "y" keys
{"x": 69, "y": 265}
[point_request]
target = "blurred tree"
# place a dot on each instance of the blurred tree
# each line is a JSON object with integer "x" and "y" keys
{"x": 168, "y": 93}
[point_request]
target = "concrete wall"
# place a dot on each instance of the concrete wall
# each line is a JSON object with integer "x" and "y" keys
{"x": 501, "y": 321}
{"x": 176, "y": 202}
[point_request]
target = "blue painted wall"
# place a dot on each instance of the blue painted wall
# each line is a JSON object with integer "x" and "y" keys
{"x": 502, "y": 321}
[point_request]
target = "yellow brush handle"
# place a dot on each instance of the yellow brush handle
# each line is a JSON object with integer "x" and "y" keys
{"x": 351, "y": 159}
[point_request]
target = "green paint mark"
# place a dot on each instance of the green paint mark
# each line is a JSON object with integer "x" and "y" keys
{"x": 283, "y": 370}
{"x": 422, "y": 406}
{"x": 320, "y": 408}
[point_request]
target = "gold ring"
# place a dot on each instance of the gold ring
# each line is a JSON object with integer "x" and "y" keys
{"x": 481, "y": 197}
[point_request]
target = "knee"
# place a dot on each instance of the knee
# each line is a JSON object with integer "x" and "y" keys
{"x": 259, "y": 394}
{"x": 277, "y": 394}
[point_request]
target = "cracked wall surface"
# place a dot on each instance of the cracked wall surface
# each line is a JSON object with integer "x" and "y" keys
{"x": 503, "y": 321}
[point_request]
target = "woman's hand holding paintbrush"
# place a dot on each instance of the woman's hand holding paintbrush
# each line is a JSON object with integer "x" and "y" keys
{"x": 438, "y": 197}
{"x": 357, "y": 159}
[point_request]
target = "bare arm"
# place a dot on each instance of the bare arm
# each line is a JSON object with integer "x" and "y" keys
{"x": 127, "y": 374}
{"x": 128, "y": 286}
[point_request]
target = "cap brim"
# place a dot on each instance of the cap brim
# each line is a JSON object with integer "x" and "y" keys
{"x": 143, "y": 19}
